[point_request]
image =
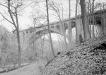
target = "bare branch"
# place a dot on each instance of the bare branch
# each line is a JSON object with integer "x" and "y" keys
{"x": 3, "y": 5}
{"x": 16, "y": 18}
{"x": 55, "y": 8}
{"x": 10, "y": 13}
{"x": 5, "y": 18}
{"x": 6, "y": 7}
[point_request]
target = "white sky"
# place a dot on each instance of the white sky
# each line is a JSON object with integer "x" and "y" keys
{"x": 25, "y": 20}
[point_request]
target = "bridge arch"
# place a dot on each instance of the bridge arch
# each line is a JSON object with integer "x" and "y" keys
{"x": 41, "y": 33}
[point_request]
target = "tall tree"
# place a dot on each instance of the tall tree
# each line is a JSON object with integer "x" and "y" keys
{"x": 34, "y": 52}
{"x": 92, "y": 11}
{"x": 84, "y": 20}
{"x": 77, "y": 36}
{"x": 69, "y": 26}
{"x": 91, "y": 17}
{"x": 13, "y": 8}
{"x": 51, "y": 43}
{"x": 78, "y": 25}
{"x": 54, "y": 6}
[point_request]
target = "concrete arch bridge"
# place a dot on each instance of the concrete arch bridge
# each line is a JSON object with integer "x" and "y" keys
{"x": 96, "y": 20}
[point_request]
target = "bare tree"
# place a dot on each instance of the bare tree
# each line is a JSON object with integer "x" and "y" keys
{"x": 53, "y": 6}
{"x": 92, "y": 11}
{"x": 51, "y": 43}
{"x": 69, "y": 26}
{"x": 84, "y": 20}
{"x": 91, "y": 17}
{"x": 34, "y": 52}
{"x": 77, "y": 36}
{"x": 13, "y": 11}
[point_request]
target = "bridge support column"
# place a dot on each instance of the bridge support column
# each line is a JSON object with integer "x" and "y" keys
{"x": 62, "y": 30}
{"x": 104, "y": 24}
{"x": 79, "y": 31}
{"x": 70, "y": 33}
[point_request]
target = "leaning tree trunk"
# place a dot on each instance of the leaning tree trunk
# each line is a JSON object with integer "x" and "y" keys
{"x": 84, "y": 20}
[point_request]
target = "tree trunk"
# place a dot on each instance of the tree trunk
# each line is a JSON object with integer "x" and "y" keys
{"x": 93, "y": 17}
{"x": 84, "y": 20}
{"x": 19, "y": 48}
{"x": 69, "y": 27}
{"x": 12, "y": 11}
{"x": 51, "y": 44}
{"x": 34, "y": 47}
{"x": 18, "y": 39}
{"x": 77, "y": 27}
{"x": 89, "y": 12}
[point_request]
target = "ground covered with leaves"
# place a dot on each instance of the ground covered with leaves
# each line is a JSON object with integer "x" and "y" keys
{"x": 86, "y": 59}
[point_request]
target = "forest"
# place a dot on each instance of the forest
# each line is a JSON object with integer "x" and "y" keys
{"x": 62, "y": 37}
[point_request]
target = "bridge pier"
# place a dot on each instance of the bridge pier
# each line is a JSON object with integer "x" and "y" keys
{"x": 104, "y": 24}
{"x": 79, "y": 30}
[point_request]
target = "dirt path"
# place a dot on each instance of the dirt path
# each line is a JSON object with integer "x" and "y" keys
{"x": 33, "y": 69}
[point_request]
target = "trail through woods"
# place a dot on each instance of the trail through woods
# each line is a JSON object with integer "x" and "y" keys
{"x": 32, "y": 69}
